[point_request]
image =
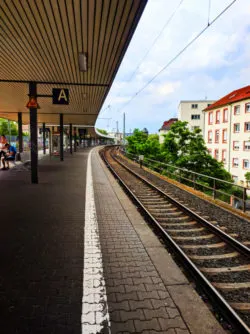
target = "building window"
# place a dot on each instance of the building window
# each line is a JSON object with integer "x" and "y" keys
{"x": 210, "y": 136}
{"x": 235, "y": 162}
{"x": 194, "y": 106}
{"x": 209, "y": 151}
{"x": 236, "y": 145}
{"x": 235, "y": 178}
{"x": 224, "y": 135}
{"x": 237, "y": 127}
{"x": 247, "y": 126}
{"x": 224, "y": 156}
{"x": 195, "y": 116}
{"x": 217, "y": 116}
{"x": 217, "y": 136}
{"x": 210, "y": 118}
{"x": 246, "y": 145}
{"x": 236, "y": 110}
{"x": 216, "y": 154}
{"x": 246, "y": 164}
{"x": 247, "y": 107}
{"x": 225, "y": 115}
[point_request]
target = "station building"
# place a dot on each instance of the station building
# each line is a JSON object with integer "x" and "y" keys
{"x": 227, "y": 131}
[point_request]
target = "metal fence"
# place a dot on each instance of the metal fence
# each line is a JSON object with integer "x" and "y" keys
{"x": 236, "y": 195}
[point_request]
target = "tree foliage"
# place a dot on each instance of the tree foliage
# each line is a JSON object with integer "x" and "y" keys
{"x": 104, "y": 132}
{"x": 142, "y": 143}
{"x": 8, "y": 128}
{"x": 182, "y": 148}
{"x": 187, "y": 149}
{"x": 247, "y": 177}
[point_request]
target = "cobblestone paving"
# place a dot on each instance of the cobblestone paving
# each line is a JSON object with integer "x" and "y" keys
{"x": 138, "y": 300}
{"x": 41, "y": 245}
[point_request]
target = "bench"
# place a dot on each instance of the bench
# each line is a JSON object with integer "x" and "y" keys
{"x": 20, "y": 157}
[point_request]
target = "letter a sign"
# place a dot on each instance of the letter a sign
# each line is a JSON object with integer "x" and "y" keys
{"x": 60, "y": 96}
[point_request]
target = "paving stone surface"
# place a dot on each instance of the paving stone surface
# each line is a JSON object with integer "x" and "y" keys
{"x": 41, "y": 246}
{"x": 138, "y": 300}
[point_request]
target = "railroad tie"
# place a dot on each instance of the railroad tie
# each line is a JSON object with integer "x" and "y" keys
{"x": 212, "y": 271}
{"x": 232, "y": 286}
{"x": 199, "y": 229}
{"x": 214, "y": 257}
{"x": 218, "y": 245}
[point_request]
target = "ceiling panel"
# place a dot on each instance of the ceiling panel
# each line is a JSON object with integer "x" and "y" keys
{"x": 40, "y": 41}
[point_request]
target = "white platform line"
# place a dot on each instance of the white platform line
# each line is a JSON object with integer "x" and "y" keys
{"x": 95, "y": 316}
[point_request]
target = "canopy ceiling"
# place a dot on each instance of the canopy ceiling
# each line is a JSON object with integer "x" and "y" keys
{"x": 40, "y": 41}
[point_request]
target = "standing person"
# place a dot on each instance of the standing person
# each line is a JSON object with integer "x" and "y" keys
{"x": 9, "y": 156}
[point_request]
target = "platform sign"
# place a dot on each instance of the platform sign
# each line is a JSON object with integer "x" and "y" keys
{"x": 60, "y": 96}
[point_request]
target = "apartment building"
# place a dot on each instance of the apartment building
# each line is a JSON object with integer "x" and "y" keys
{"x": 227, "y": 131}
{"x": 165, "y": 128}
{"x": 192, "y": 112}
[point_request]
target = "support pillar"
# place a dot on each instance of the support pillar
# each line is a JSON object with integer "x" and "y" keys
{"x": 70, "y": 139}
{"x": 44, "y": 139}
{"x": 50, "y": 142}
{"x": 61, "y": 138}
{"x": 33, "y": 135}
{"x": 52, "y": 134}
{"x": 20, "y": 132}
{"x": 84, "y": 138}
{"x": 74, "y": 139}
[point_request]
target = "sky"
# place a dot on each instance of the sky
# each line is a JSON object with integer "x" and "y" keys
{"x": 215, "y": 64}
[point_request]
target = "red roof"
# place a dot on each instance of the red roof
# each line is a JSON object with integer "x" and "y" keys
{"x": 236, "y": 95}
{"x": 167, "y": 124}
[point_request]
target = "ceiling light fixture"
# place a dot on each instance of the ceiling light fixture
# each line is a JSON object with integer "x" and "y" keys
{"x": 83, "y": 62}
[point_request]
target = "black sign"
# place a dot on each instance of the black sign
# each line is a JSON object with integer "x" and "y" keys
{"x": 60, "y": 96}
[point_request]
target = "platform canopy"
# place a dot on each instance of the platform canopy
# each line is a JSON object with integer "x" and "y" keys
{"x": 41, "y": 40}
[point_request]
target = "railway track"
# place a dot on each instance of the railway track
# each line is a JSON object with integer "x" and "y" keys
{"x": 219, "y": 263}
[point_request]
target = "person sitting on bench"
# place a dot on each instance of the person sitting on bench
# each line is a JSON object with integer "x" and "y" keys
{"x": 3, "y": 149}
{"x": 9, "y": 156}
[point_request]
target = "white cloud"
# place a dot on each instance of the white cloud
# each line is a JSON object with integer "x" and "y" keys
{"x": 168, "y": 88}
{"x": 215, "y": 64}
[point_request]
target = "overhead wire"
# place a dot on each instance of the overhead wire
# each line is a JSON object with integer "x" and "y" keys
{"x": 177, "y": 55}
{"x": 209, "y": 8}
{"x": 156, "y": 39}
{"x": 154, "y": 42}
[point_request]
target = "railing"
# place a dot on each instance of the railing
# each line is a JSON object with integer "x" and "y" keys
{"x": 235, "y": 195}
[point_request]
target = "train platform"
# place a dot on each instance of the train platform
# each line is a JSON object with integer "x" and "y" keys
{"x": 77, "y": 257}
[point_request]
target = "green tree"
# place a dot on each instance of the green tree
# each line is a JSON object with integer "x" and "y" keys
{"x": 136, "y": 142}
{"x": 186, "y": 149}
{"x": 151, "y": 147}
{"x": 4, "y": 127}
{"x": 104, "y": 132}
{"x": 247, "y": 177}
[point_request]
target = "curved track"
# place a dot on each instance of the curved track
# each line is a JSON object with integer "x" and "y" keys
{"x": 218, "y": 262}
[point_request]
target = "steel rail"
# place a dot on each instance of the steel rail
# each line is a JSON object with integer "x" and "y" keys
{"x": 213, "y": 295}
{"x": 233, "y": 242}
